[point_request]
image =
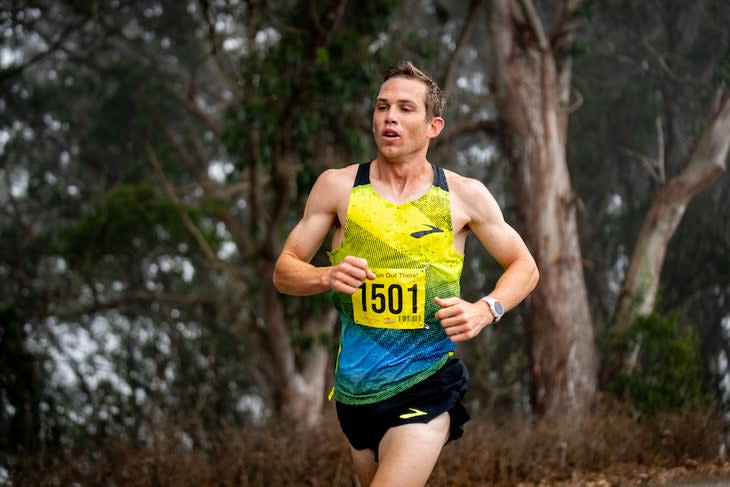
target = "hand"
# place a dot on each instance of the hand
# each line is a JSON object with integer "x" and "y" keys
{"x": 348, "y": 275}
{"x": 461, "y": 319}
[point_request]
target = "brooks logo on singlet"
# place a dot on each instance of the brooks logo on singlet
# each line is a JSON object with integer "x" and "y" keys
{"x": 390, "y": 338}
{"x": 423, "y": 233}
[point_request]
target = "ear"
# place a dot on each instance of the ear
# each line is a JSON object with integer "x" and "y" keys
{"x": 435, "y": 126}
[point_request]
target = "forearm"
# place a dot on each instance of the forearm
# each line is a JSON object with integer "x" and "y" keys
{"x": 298, "y": 278}
{"x": 517, "y": 281}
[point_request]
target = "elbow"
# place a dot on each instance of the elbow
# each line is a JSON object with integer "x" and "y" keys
{"x": 534, "y": 277}
{"x": 276, "y": 278}
{"x": 276, "y": 282}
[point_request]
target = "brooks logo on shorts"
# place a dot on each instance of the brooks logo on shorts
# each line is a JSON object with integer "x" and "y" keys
{"x": 413, "y": 413}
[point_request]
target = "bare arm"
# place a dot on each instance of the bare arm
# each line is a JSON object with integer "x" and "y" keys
{"x": 293, "y": 272}
{"x": 481, "y": 213}
{"x": 506, "y": 246}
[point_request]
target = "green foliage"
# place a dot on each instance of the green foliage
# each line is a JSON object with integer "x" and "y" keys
{"x": 668, "y": 372}
{"x": 126, "y": 213}
{"x": 442, "y": 13}
{"x": 302, "y": 92}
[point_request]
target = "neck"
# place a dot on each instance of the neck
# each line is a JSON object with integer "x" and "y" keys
{"x": 401, "y": 182}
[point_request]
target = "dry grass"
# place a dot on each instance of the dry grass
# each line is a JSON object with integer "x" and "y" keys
{"x": 611, "y": 448}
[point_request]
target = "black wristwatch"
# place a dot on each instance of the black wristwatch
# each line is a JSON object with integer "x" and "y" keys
{"x": 495, "y": 307}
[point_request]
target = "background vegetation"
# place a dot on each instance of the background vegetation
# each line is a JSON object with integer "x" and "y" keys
{"x": 154, "y": 154}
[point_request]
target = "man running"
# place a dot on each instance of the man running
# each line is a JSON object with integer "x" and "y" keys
{"x": 400, "y": 226}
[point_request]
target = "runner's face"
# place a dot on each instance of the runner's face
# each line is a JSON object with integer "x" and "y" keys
{"x": 399, "y": 120}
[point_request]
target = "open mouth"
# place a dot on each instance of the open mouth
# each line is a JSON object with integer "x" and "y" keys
{"x": 390, "y": 134}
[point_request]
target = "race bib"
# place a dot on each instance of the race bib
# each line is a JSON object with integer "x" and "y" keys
{"x": 396, "y": 298}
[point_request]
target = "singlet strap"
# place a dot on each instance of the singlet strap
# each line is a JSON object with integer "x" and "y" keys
{"x": 363, "y": 176}
{"x": 439, "y": 177}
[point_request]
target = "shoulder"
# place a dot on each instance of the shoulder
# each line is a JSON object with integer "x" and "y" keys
{"x": 466, "y": 189}
{"x": 472, "y": 197}
{"x": 332, "y": 189}
{"x": 336, "y": 177}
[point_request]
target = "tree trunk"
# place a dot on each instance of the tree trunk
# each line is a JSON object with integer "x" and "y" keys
{"x": 705, "y": 164}
{"x": 298, "y": 380}
{"x": 532, "y": 107}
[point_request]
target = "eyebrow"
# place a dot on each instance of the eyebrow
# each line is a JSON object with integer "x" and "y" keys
{"x": 403, "y": 100}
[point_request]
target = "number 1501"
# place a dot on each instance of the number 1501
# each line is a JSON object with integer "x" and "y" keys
{"x": 381, "y": 298}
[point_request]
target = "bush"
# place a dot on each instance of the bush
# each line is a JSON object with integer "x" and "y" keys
{"x": 665, "y": 373}
{"x": 609, "y": 447}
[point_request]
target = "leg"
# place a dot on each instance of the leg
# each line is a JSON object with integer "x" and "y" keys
{"x": 365, "y": 465}
{"x": 409, "y": 452}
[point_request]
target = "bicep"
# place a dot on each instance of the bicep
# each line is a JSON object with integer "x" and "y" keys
{"x": 489, "y": 226}
{"x": 307, "y": 236}
{"x": 320, "y": 214}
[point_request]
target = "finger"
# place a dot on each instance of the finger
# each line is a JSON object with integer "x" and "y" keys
{"x": 460, "y": 337}
{"x": 357, "y": 262}
{"x": 446, "y": 302}
{"x": 361, "y": 265}
{"x": 353, "y": 277}
{"x": 461, "y": 332}
{"x": 351, "y": 274}
{"x": 441, "y": 316}
{"x": 456, "y": 334}
{"x": 450, "y": 327}
{"x": 345, "y": 288}
{"x": 447, "y": 312}
{"x": 346, "y": 283}
{"x": 368, "y": 272}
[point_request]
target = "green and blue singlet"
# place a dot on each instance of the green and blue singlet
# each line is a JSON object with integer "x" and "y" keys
{"x": 390, "y": 338}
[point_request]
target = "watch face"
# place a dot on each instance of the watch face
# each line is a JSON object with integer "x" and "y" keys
{"x": 498, "y": 308}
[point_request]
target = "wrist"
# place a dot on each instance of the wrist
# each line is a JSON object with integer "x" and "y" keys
{"x": 325, "y": 279}
{"x": 496, "y": 309}
{"x": 486, "y": 312}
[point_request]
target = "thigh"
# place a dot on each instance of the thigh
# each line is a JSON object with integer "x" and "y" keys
{"x": 365, "y": 465}
{"x": 408, "y": 453}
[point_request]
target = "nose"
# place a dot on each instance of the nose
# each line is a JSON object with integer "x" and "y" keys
{"x": 390, "y": 115}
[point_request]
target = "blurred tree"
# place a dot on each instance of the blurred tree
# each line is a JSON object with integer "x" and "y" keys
{"x": 653, "y": 132}
{"x": 532, "y": 73}
{"x": 532, "y": 81}
{"x": 20, "y": 386}
{"x": 153, "y": 154}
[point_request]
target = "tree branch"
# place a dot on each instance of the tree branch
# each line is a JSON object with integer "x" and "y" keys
{"x": 655, "y": 167}
{"x": 230, "y": 276}
{"x": 460, "y": 43}
{"x": 489, "y": 127}
{"x": 132, "y": 297}
{"x": 223, "y": 62}
{"x": 533, "y": 19}
{"x": 54, "y": 46}
{"x": 198, "y": 170}
{"x": 661, "y": 61}
{"x": 704, "y": 166}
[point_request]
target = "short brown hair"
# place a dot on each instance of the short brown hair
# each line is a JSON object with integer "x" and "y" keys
{"x": 435, "y": 98}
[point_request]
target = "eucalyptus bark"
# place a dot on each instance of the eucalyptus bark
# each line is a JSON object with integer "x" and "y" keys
{"x": 706, "y": 163}
{"x": 299, "y": 379}
{"x": 532, "y": 94}
{"x": 293, "y": 380}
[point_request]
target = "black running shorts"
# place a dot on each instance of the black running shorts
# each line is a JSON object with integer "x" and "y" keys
{"x": 366, "y": 424}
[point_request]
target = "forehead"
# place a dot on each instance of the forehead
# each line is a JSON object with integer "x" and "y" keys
{"x": 403, "y": 89}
